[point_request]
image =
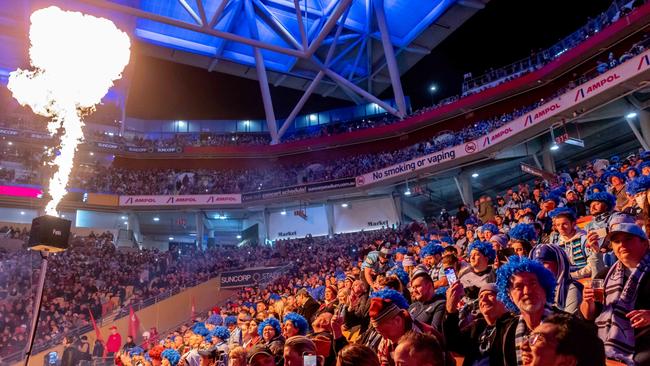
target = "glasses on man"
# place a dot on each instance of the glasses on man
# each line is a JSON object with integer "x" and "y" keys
{"x": 534, "y": 337}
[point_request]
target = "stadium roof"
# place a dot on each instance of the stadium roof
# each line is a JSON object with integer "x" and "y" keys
{"x": 348, "y": 49}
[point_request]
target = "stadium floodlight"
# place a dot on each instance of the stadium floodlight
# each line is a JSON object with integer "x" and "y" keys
{"x": 238, "y": 236}
{"x": 407, "y": 192}
{"x": 344, "y": 205}
{"x": 10, "y": 143}
{"x": 171, "y": 238}
{"x": 283, "y": 212}
{"x": 474, "y": 175}
{"x": 156, "y": 219}
{"x": 630, "y": 115}
{"x": 22, "y": 213}
{"x": 123, "y": 217}
{"x": 555, "y": 147}
{"x": 433, "y": 88}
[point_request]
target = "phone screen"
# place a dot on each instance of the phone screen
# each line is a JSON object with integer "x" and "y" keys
{"x": 309, "y": 360}
{"x": 451, "y": 275}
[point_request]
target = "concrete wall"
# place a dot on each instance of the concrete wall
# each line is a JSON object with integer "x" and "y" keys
{"x": 164, "y": 315}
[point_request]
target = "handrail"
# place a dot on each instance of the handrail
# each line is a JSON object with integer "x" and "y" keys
{"x": 531, "y": 63}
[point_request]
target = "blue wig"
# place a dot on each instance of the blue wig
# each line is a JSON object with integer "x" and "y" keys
{"x": 172, "y": 356}
{"x": 523, "y": 232}
{"x": 563, "y": 211}
{"x": 533, "y": 207}
{"x": 400, "y": 274}
{"x": 484, "y": 248}
{"x": 638, "y": 185}
{"x": 221, "y": 332}
{"x": 215, "y": 319}
{"x": 491, "y": 228}
{"x": 632, "y": 169}
{"x": 273, "y": 322}
{"x": 471, "y": 221}
{"x": 200, "y": 329}
{"x": 298, "y": 321}
{"x": 644, "y": 154}
{"x": 401, "y": 250}
{"x": 230, "y": 320}
{"x": 553, "y": 196}
{"x": 517, "y": 265}
{"x": 645, "y": 164}
{"x": 602, "y": 196}
{"x": 595, "y": 188}
{"x": 136, "y": 351}
{"x": 394, "y": 296}
{"x": 431, "y": 249}
{"x": 617, "y": 174}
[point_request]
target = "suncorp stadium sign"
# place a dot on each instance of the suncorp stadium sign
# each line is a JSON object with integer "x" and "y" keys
{"x": 250, "y": 277}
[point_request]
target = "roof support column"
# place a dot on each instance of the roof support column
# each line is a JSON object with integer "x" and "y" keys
{"x": 261, "y": 74}
{"x": 389, "y": 52}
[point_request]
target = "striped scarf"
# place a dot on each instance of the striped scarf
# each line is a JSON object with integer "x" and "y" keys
{"x": 620, "y": 296}
{"x": 522, "y": 331}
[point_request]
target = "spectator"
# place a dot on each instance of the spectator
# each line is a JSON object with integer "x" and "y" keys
{"x": 114, "y": 342}
{"x": 427, "y": 307}
{"x": 568, "y": 292}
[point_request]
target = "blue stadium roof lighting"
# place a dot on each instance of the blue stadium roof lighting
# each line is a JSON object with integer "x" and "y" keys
{"x": 277, "y": 24}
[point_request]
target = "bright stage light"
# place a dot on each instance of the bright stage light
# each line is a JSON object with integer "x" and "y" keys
{"x": 75, "y": 58}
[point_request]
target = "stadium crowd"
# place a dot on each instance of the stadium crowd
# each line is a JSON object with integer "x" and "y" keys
{"x": 549, "y": 273}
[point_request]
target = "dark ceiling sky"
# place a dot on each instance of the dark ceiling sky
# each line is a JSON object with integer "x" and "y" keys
{"x": 503, "y": 32}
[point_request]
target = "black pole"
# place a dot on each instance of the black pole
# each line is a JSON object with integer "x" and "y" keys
{"x": 38, "y": 303}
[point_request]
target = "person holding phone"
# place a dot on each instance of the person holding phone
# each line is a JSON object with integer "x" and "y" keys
{"x": 301, "y": 351}
{"x": 623, "y": 318}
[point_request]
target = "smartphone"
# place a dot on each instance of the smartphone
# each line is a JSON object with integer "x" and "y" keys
{"x": 309, "y": 360}
{"x": 504, "y": 253}
{"x": 451, "y": 275}
{"x": 53, "y": 358}
{"x": 602, "y": 232}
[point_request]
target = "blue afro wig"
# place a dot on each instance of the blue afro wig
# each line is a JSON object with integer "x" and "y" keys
{"x": 613, "y": 174}
{"x": 518, "y": 265}
{"x": 221, "y": 332}
{"x": 273, "y": 322}
{"x": 215, "y": 319}
{"x": 136, "y": 351}
{"x": 602, "y": 196}
{"x": 298, "y": 321}
{"x": 553, "y": 195}
{"x": 523, "y": 232}
{"x": 400, "y": 274}
{"x": 644, "y": 154}
{"x": 394, "y": 296}
{"x": 638, "y": 185}
{"x": 645, "y": 164}
{"x": 484, "y": 248}
{"x": 533, "y": 207}
{"x": 200, "y": 329}
{"x": 595, "y": 188}
{"x": 563, "y": 211}
{"x": 230, "y": 320}
{"x": 632, "y": 169}
{"x": 172, "y": 356}
{"x": 471, "y": 221}
{"x": 401, "y": 250}
{"x": 431, "y": 249}
{"x": 491, "y": 228}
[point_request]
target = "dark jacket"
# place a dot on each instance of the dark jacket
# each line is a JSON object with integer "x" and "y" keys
{"x": 309, "y": 309}
{"x": 468, "y": 343}
{"x": 429, "y": 312}
{"x": 70, "y": 356}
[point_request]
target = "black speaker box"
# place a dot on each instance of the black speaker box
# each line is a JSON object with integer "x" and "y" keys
{"x": 49, "y": 234}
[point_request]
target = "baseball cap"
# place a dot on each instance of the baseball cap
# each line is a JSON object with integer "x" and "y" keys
{"x": 623, "y": 223}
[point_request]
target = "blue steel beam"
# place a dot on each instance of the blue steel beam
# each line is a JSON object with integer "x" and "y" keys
{"x": 228, "y": 27}
{"x": 342, "y": 6}
{"x": 277, "y": 25}
{"x": 389, "y": 53}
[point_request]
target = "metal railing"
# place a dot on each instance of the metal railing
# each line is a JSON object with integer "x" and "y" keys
{"x": 539, "y": 59}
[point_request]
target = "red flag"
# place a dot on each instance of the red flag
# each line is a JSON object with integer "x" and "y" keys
{"x": 134, "y": 324}
{"x": 193, "y": 308}
{"x": 98, "y": 333}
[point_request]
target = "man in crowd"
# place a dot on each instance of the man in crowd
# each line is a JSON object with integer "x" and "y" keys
{"x": 427, "y": 307}
{"x": 476, "y": 342}
{"x": 114, "y": 342}
{"x": 307, "y": 306}
{"x": 622, "y": 313}
{"x": 431, "y": 256}
{"x": 376, "y": 263}
{"x": 419, "y": 349}
{"x": 585, "y": 261}
{"x": 526, "y": 288}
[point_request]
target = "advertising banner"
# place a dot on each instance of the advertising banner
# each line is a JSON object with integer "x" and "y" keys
{"x": 566, "y": 101}
{"x": 250, "y": 276}
{"x": 185, "y": 200}
{"x": 297, "y": 190}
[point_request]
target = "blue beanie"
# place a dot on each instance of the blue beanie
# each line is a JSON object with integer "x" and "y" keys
{"x": 484, "y": 248}
{"x": 298, "y": 321}
{"x": 273, "y": 322}
{"x": 517, "y": 265}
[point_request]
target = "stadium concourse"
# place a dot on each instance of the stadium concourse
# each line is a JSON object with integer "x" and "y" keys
{"x": 384, "y": 258}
